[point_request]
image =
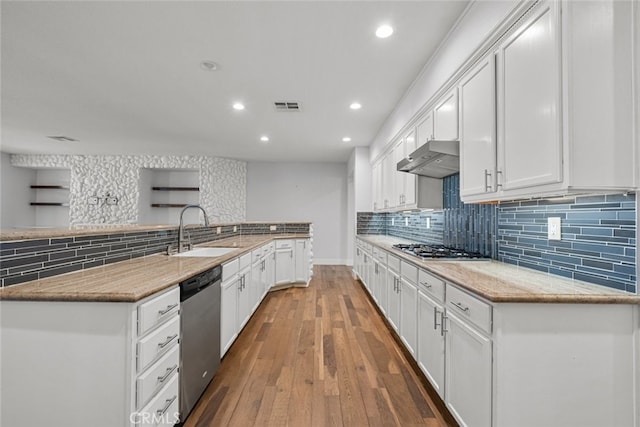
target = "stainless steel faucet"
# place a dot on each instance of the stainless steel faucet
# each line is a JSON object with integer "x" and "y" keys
{"x": 181, "y": 228}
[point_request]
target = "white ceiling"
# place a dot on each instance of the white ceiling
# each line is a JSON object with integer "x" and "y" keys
{"x": 124, "y": 77}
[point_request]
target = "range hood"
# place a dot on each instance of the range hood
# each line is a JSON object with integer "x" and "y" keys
{"x": 435, "y": 159}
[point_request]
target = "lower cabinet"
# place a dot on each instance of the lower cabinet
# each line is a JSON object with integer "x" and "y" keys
{"x": 285, "y": 266}
{"x": 514, "y": 364}
{"x": 102, "y": 364}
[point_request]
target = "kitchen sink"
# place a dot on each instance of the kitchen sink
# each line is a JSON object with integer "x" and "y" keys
{"x": 205, "y": 252}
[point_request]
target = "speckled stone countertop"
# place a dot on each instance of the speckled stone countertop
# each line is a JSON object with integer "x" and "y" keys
{"x": 133, "y": 280}
{"x": 46, "y": 232}
{"x": 501, "y": 283}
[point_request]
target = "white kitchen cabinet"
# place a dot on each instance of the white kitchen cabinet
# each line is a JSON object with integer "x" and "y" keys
{"x": 424, "y": 130}
{"x": 564, "y": 122}
{"x": 408, "y": 314}
{"x": 257, "y": 279}
{"x": 431, "y": 341}
{"x": 393, "y": 300}
{"x": 244, "y": 296}
{"x": 530, "y": 149}
{"x": 301, "y": 260}
{"x": 388, "y": 180}
{"x": 445, "y": 117}
{"x": 228, "y": 313}
{"x": 285, "y": 267}
{"x": 478, "y": 130}
{"x": 50, "y": 360}
{"x": 378, "y": 197}
{"x": 468, "y": 372}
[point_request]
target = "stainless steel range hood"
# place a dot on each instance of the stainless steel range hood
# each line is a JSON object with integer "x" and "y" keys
{"x": 435, "y": 159}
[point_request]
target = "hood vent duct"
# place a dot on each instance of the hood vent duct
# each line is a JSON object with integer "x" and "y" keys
{"x": 435, "y": 159}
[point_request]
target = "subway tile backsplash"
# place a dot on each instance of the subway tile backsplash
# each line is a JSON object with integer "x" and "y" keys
{"x": 598, "y": 233}
{"x": 26, "y": 260}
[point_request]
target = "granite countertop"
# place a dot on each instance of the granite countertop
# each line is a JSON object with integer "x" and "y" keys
{"x": 135, "y": 279}
{"x": 501, "y": 283}
{"x": 52, "y": 232}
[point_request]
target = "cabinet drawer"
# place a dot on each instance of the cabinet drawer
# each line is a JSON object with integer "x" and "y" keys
{"x": 431, "y": 285}
{"x": 245, "y": 261}
{"x": 409, "y": 272}
{"x": 382, "y": 256}
{"x": 158, "y": 310}
{"x": 469, "y": 307}
{"x": 159, "y": 374}
{"x": 256, "y": 254}
{"x": 230, "y": 268}
{"x": 163, "y": 409}
{"x": 284, "y": 244}
{"x": 393, "y": 262}
{"x": 158, "y": 342}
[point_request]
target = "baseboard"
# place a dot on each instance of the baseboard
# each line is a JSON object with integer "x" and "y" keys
{"x": 329, "y": 261}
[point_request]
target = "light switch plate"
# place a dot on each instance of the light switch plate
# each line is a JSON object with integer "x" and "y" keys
{"x": 554, "y": 228}
{"x": 235, "y": 228}
{"x": 406, "y": 221}
{"x": 428, "y": 222}
{"x": 273, "y": 228}
{"x": 218, "y": 230}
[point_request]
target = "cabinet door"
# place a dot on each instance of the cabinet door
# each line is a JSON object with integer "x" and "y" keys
{"x": 301, "y": 260}
{"x": 424, "y": 131}
{"x": 529, "y": 132}
{"x": 244, "y": 297}
{"x": 445, "y": 117}
{"x": 393, "y": 307}
{"x": 228, "y": 313}
{"x": 284, "y": 266}
{"x": 382, "y": 288}
{"x": 389, "y": 181}
{"x": 408, "y": 314}
{"x": 375, "y": 185}
{"x": 468, "y": 373}
{"x": 431, "y": 342}
{"x": 270, "y": 262}
{"x": 409, "y": 192}
{"x": 478, "y": 130}
{"x": 399, "y": 177}
{"x": 256, "y": 286}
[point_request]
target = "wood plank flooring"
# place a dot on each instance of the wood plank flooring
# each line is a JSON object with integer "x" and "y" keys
{"x": 317, "y": 356}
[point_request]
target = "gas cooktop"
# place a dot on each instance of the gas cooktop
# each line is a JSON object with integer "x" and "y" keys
{"x": 438, "y": 252}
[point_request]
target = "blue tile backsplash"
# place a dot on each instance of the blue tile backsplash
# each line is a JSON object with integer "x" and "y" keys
{"x": 598, "y": 233}
{"x": 598, "y": 238}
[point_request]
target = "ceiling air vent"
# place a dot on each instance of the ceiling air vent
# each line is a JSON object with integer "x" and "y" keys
{"x": 287, "y": 106}
{"x": 63, "y": 138}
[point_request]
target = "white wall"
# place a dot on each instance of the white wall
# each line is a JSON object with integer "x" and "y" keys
{"x": 360, "y": 193}
{"x": 315, "y": 192}
{"x": 15, "y": 195}
{"x": 472, "y": 29}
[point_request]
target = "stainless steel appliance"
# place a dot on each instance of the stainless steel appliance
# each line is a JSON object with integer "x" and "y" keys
{"x": 435, "y": 159}
{"x": 199, "y": 336}
{"x": 438, "y": 252}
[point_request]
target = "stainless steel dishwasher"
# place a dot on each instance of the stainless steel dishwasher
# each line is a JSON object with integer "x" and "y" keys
{"x": 199, "y": 336}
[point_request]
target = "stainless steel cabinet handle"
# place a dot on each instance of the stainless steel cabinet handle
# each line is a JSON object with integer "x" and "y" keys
{"x": 460, "y": 306}
{"x": 168, "y": 340}
{"x": 443, "y": 320}
{"x": 167, "y": 404}
{"x": 487, "y": 185}
{"x": 498, "y": 173}
{"x": 167, "y": 374}
{"x": 168, "y": 309}
{"x": 435, "y": 318}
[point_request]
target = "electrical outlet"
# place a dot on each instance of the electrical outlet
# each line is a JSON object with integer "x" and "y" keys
{"x": 554, "y": 228}
{"x": 235, "y": 228}
{"x": 92, "y": 201}
{"x": 393, "y": 221}
{"x": 428, "y": 222}
{"x": 273, "y": 228}
{"x": 111, "y": 200}
{"x": 406, "y": 221}
{"x": 218, "y": 230}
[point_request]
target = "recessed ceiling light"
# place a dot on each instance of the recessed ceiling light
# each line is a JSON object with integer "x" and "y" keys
{"x": 355, "y": 106}
{"x": 346, "y": 139}
{"x": 384, "y": 31}
{"x": 264, "y": 138}
{"x": 208, "y": 65}
{"x": 238, "y": 106}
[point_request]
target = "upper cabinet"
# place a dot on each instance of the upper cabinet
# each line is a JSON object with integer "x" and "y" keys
{"x": 445, "y": 117}
{"x": 424, "y": 130}
{"x": 555, "y": 116}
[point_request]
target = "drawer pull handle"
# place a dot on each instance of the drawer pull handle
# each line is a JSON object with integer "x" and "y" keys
{"x": 169, "y": 339}
{"x": 460, "y": 306}
{"x": 426, "y": 285}
{"x": 168, "y": 309}
{"x": 168, "y": 403}
{"x": 167, "y": 374}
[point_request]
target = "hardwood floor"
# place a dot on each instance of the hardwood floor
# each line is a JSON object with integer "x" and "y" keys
{"x": 317, "y": 356}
